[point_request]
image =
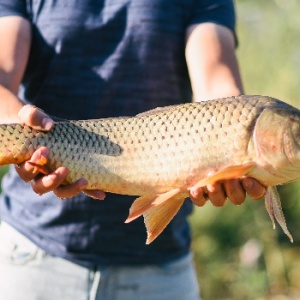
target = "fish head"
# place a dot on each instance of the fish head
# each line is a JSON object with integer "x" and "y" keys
{"x": 276, "y": 138}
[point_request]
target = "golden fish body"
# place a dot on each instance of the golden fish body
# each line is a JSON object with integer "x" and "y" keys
{"x": 159, "y": 155}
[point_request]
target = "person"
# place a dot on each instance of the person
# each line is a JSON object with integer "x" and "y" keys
{"x": 93, "y": 59}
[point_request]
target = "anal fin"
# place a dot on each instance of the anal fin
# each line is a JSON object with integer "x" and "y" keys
{"x": 158, "y": 211}
{"x": 157, "y": 218}
{"x": 143, "y": 203}
{"x": 41, "y": 165}
{"x": 231, "y": 172}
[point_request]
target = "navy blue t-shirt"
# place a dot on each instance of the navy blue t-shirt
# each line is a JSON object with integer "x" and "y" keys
{"x": 92, "y": 59}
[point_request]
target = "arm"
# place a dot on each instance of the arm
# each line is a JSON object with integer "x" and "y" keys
{"x": 212, "y": 63}
{"x": 14, "y": 44}
{"x": 15, "y": 41}
{"x": 214, "y": 73}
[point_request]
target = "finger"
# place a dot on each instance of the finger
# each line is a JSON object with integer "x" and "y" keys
{"x": 216, "y": 194}
{"x": 49, "y": 182}
{"x": 254, "y": 189}
{"x": 35, "y": 118}
{"x": 29, "y": 170}
{"x": 198, "y": 197}
{"x": 96, "y": 194}
{"x": 235, "y": 191}
{"x": 70, "y": 190}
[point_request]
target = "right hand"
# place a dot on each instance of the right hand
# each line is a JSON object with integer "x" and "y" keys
{"x": 234, "y": 189}
{"x": 41, "y": 183}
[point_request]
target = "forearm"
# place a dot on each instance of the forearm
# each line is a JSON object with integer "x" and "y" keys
{"x": 15, "y": 40}
{"x": 10, "y": 105}
{"x": 212, "y": 64}
{"x": 214, "y": 73}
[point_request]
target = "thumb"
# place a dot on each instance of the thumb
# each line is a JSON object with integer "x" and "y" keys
{"x": 35, "y": 118}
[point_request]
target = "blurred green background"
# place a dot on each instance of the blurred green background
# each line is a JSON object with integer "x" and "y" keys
{"x": 237, "y": 253}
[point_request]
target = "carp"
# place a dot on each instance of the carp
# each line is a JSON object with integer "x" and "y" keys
{"x": 161, "y": 154}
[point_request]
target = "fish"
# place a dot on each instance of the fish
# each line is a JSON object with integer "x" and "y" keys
{"x": 160, "y": 155}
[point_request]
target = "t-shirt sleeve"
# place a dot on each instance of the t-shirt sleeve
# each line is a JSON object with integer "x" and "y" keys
{"x": 216, "y": 11}
{"x": 13, "y": 8}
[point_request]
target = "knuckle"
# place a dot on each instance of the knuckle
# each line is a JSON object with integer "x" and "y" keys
{"x": 256, "y": 196}
{"x": 257, "y": 192}
{"x": 235, "y": 192}
{"x": 237, "y": 199}
{"x": 198, "y": 201}
{"x": 218, "y": 201}
{"x": 236, "y": 195}
{"x": 60, "y": 195}
{"x": 32, "y": 111}
{"x": 31, "y": 115}
{"x": 27, "y": 112}
{"x": 36, "y": 188}
{"x": 66, "y": 191}
{"x": 23, "y": 175}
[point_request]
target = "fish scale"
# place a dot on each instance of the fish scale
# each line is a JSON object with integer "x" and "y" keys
{"x": 162, "y": 154}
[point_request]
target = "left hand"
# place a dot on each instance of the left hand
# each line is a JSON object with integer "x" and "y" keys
{"x": 48, "y": 181}
{"x": 234, "y": 189}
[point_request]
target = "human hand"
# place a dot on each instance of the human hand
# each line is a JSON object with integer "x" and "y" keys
{"x": 48, "y": 180}
{"x": 234, "y": 189}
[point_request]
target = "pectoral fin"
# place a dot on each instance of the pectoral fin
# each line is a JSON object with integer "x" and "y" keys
{"x": 226, "y": 173}
{"x": 273, "y": 206}
{"x": 41, "y": 165}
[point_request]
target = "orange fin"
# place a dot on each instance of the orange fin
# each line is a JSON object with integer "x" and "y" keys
{"x": 227, "y": 173}
{"x": 138, "y": 207}
{"x": 41, "y": 165}
{"x": 156, "y": 110}
{"x": 158, "y": 217}
{"x": 142, "y": 204}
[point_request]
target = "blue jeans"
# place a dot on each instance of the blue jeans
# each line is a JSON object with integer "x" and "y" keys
{"x": 28, "y": 273}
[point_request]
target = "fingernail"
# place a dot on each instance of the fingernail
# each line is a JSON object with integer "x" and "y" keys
{"x": 47, "y": 123}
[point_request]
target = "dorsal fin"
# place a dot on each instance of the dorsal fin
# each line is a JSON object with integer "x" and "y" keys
{"x": 156, "y": 110}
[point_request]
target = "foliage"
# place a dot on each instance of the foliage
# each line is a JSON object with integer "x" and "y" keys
{"x": 3, "y": 170}
{"x": 237, "y": 253}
